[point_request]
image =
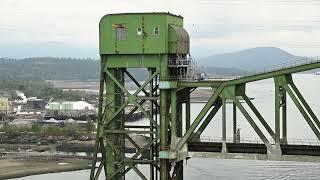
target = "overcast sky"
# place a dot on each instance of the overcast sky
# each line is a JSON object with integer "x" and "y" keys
{"x": 70, "y": 27}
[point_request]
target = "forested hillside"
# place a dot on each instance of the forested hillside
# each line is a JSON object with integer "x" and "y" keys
{"x": 49, "y": 68}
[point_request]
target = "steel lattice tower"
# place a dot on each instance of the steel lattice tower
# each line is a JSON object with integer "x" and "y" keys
{"x": 158, "y": 43}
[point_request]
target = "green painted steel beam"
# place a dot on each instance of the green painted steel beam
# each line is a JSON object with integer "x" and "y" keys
{"x": 129, "y": 47}
{"x": 136, "y": 82}
{"x": 256, "y": 77}
{"x": 188, "y": 110}
{"x": 224, "y": 122}
{"x": 146, "y": 82}
{"x": 139, "y": 172}
{"x": 147, "y": 115}
{"x": 93, "y": 172}
{"x": 302, "y": 111}
{"x": 142, "y": 150}
{"x": 277, "y": 101}
{"x": 114, "y": 98}
{"x": 195, "y": 84}
{"x": 305, "y": 104}
{"x": 284, "y": 119}
{"x": 208, "y": 119}
{"x": 267, "y": 75}
{"x": 133, "y": 61}
{"x": 234, "y": 117}
{"x": 259, "y": 116}
{"x": 173, "y": 114}
{"x": 164, "y": 119}
{"x": 252, "y": 123}
{"x": 200, "y": 116}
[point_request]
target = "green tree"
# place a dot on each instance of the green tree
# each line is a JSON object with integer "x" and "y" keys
{"x": 90, "y": 125}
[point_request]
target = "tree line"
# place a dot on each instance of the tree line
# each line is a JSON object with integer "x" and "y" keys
{"x": 55, "y": 68}
{"x": 40, "y": 89}
{"x": 49, "y": 68}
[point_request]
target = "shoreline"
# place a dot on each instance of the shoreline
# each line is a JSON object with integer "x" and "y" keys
{"x": 17, "y": 168}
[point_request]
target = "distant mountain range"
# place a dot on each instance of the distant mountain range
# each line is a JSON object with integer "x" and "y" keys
{"x": 247, "y": 60}
{"x": 51, "y": 68}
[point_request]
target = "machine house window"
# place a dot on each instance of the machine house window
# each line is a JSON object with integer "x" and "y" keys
{"x": 139, "y": 31}
{"x": 156, "y": 30}
{"x": 121, "y": 34}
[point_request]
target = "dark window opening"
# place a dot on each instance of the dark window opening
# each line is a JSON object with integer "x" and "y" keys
{"x": 156, "y": 30}
{"x": 139, "y": 31}
{"x": 121, "y": 34}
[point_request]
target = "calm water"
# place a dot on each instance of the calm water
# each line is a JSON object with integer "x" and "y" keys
{"x": 217, "y": 169}
{"x": 206, "y": 169}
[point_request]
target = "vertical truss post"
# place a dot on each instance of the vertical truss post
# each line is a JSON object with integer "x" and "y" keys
{"x": 188, "y": 113}
{"x": 151, "y": 112}
{"x": 113, "y": 132}
{"x": 179, "y": 119}
{"x": 284, "y": 139}
{"x": 233, "y": 92}
{"x": 224, "y": 125}
{"x": 179, "y": 164}
{"x": 277, "y": 101}
{"x": 93, "y": 173}
{"x": 164, "y": 163}
{"x": 173, "y": 116}
{"x": 115, "y": 142}
{"x": 156, "y": 146}
{"x": 234, "y": 116}
{"x": 283, "y": 84}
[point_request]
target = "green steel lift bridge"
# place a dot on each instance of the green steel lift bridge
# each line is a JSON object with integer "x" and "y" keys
{"x": 158, "y": 43}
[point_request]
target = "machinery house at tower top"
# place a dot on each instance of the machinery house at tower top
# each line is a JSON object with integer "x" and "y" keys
{"x": 143, "y": 39}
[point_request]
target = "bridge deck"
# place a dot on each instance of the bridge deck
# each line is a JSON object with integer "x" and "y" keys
{"x": 266, "y": 73}
{"x": 287, "y": 149}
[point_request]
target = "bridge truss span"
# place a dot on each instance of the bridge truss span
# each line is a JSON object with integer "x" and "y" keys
{"x": 158, "y": 44}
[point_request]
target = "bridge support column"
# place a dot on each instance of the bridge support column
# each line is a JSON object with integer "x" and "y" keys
{"x": 173, "y": 117}
{"x": 302, "y": 105}
{"x": 278, "y": 120}
{"x": 239, "y": 90}
{"x": 284, "y": 139}
{"x": 224, "y": 126}
{"x": 176, "y": 130}
{"x": 114, "y": 140}
{"x": 234, "y": 116}
{"x": 164, "y": 163}
{"x": 179, "y": 164}
{"x": 188, "y": 113}
{"x": 153, "y": 113}
{"x": 99, "y": 138}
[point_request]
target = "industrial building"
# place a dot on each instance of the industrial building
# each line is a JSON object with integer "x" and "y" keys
{"x": 69, "y": 106}
{"x": 4, "y": 105}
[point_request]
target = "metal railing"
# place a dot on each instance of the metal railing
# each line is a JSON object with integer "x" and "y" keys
{"x": 252, "y": 140}
{"x": 277, "y": 67}
{"x": 197, "y": 76}
{"x": 193, "y": 77}
{"x": 180, "y": 62}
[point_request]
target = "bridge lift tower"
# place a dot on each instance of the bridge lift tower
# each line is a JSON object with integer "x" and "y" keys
{"x": 158, "y": 43}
